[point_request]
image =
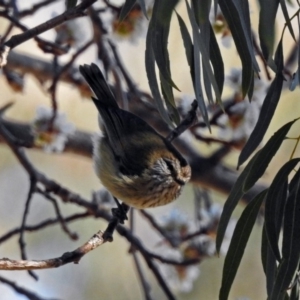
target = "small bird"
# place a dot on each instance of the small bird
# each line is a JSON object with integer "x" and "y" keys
{"x": 135, "y": 163}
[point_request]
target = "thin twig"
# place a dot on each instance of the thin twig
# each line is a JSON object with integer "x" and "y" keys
{"x": 69, "y": 257}
{"x": 139, "y": 246}
{"x": 35, "y": 8}
{"x": 42, "y": 225}
{"x": 77, "y": 11}
{"x": 20, "y": 290}
{"x": 129, "y": 81}
{"x": 174, "y": 262}
{"x": 145, "y": 284}
{"x": 187, "y": 122}
{"x": 158, "y": 228}
{"x": 46, "y": 46}
{"x": 68, "y": 65}
{"x": 73, "y": 235}
{"x": 25, "y": 214}
{"x": 7, "y": 32}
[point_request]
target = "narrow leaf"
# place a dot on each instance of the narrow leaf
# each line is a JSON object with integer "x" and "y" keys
{"x": 295, "y": 291}
{"x": 287, "y": 18}
{"x": 204, "y": 52}
{"x": 266, "y": 26}
{"x": 205, "y": 30}
{"x": 169, "y": 99}
{"x": 268, "y": 261}
{"x": 188, "y": 45}
{"x": 295, "y": 80}
{"x": 238, "y": 243}
{"x": 267, "y": 111}
{"x": 274, "y": 205}
{"x": 127, "y": 6}
{"x": 298, "y": 71}
{"x": 201, "y": 10}
{"x": 266, "y": 154}
{"x": 242, "y": 7}
{"x": 216, "y": 60}
{"x": 235, "y": 195}
{"x": 158, "y": 34}
{"x": 240, "y": 37}
{"x": 197, "y": 84}
{"x": 151, "y": 74}
{"x": 290, "y": 243}
{"x": 143, "y": 7}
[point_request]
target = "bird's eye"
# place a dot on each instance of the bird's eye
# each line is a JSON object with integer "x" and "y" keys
{"x": 169, "y": 164}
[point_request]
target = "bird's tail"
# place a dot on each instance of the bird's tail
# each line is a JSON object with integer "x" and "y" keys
{"x": 94, "y": 77}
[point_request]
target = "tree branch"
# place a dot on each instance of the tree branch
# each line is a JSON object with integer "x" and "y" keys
{"x": 74, "y": 256}
{"x": 69, "y": 14}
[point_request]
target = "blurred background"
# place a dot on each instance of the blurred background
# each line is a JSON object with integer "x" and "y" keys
{"x": 109, "y": 272}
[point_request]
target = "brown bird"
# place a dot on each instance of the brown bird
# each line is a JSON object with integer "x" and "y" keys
{"x": 135, "y": 163}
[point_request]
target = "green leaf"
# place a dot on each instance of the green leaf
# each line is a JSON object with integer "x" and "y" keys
{"x": 197, "y": 84}
{"x": 188, "y": 45}
{"x": 268, "y": 261}
{"x": 205, "y": 29}
{"x": 295, "y": 291}
{"x": 274, "y": 205}
{"x": 242, "y": 7}
{"x": 126, "y": 8}
{"x": 143, "y": 7}
{"x": 198, "y": 40}
{"x": 169, "y": 99}
{"x": 265, "y": 155}
{"x": 266, "y": 26}
{"x": 70, "y": 3}
{"x": 298, "y": 71}
{"x": 287, "y": 18}
{"x": 158, "y": 32}
{"x": 290, "y": 243}
{"x": 267, "y": 111}
{"x": 295, "y": 80}
{"x": 238, "y": 243}
{"x": 237, "y": 14}
{"x": 234, "y": 196}
{"x": 251, "y": 88}
{"x": 151, "y": 74}
{"x": 216, "y": 3}
{"x": 201, "y": 10}
{"x": 216, "y": 60}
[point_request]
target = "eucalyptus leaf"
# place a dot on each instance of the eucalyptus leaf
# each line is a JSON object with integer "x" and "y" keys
{"x": 290, "y": 242}
{"x": 298, "y": 71}
{"x": 266, "y": 26}
{"x": 240, "y": 36}
{"x": 197, "y": 84}
{"x": 238, "y": 243}
{"x": 127, "y": 7}
{"x": 295, "y": 80}
{"x": 153, "y": 84}
{"x": 143, "y": 7}
{"x": 216, "y": 60}
{"x": 267, "y": 111}
{"x": 169, "y": 99}
{"x": 274, "y": 205}
{"x": 198, "y": 39}
{"x": 158, "y": 32}
{"x": 287, "y": 18}
{"x": 234, "y": 196}
{"x": 268, "y": 261}
{"x": 201, "y": 10}
{"x": 265, "y": 155}
{"x": 188, "y": 46}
